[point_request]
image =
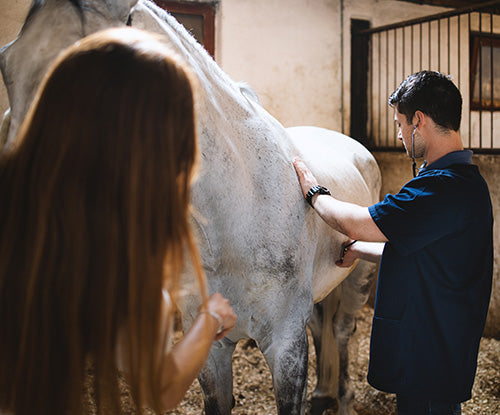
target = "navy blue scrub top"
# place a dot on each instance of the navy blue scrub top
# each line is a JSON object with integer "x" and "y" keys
{"x": 434, "y": 282}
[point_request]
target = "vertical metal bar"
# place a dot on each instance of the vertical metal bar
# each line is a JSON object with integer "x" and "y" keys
{"x": 420, "y": 43}
{"x": 458, "y": 53}
{"x": 439, "y": 45}
{"x": 379, "y": 87}
{"x": 470, "y": 92}
{"x": 491, "y": 80}
{"x": 404, "y": 54}
{"x": 395, "y": 85}
{"x": 459, "y": 63}
{"x": 411, "y": 49}
{"x": 429, "y": 45}
{"x": 480, "y": 57}
{"x": 386, "y": 84}
{"x": 342, "y": 63}
{"x": 449, "y": 47}
{"x": 371, "y": 109}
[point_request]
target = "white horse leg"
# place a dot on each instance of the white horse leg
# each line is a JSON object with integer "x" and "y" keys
{"x": 327, "y": 357}
{"x": 344, "y": 325}
{"x": 216, "y": 379}
{"x": 287, "y": 359}
{"x": 339, "y": 310}
{"x": 355, "y": 291}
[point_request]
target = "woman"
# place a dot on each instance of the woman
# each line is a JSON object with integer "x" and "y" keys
{"x": 94, "y": 219}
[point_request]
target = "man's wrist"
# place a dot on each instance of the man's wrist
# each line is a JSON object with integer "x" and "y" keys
{"x": 314, "y": 191}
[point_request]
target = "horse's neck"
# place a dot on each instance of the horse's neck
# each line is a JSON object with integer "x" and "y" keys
{"x": 197, "y": 57}
{"x": 236, "y": 133}
{"x": 221, "y": 99}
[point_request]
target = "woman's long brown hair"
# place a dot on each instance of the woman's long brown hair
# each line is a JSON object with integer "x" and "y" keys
{"x": 94, "y": 218}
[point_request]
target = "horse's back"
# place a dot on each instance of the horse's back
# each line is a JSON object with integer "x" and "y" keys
{"x": 339, "y": 161}
{"x": 351, "y": 173}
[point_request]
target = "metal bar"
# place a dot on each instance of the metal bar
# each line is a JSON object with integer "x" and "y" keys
{"x": 395, "y": 79}
{"x": 411, "y": 51}
{"x": 437, "y": 16}
{"x": 476, "y": 150}
{"x": 439, "y": 45}
{"x": 459, "y": 63}
{"x": 420, "y": 43}
{"x": 371, "y": 109}
{"x": 386, "y": 84}
{"x": 429, "y": 47}
{"x": 404, "y": 55}
{"x": 449, "y": 57}
{"x": 379, "y": 87}
{"x": 342, "y": 63}
{"x": 458, "y": 52}
{"x": 470, "y": 92}
{"x": 480, "y": 85}
{"x": 491, "y": 82}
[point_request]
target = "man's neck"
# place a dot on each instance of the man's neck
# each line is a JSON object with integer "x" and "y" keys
{"x": 439, "y": 145}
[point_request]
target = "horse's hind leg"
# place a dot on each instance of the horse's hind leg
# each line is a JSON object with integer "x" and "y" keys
{"x": 337, "y": 313}
{"x": 327, "y": 356}
{"x": 287, "y": 359}
{"x": 355, "y": 291}
{"x": 216, "y": 379}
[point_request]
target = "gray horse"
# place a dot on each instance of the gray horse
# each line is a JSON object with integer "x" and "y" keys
{"x": 262, "y": 246}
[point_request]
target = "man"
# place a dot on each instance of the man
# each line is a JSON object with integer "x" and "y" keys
{"x": 436, "y": 254}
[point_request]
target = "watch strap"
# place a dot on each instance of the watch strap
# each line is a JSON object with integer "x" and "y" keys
{"x": 316, "y": 189}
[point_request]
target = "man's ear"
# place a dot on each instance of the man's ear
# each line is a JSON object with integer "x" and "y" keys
{"x": 418, "y": 118}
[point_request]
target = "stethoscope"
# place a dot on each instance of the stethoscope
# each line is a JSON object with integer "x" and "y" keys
{"x": 414, "y": 163}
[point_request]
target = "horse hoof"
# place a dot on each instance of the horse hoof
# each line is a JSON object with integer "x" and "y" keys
{"x": 320, "y": 405}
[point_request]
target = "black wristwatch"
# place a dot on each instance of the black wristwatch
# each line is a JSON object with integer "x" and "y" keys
{"x": 316, "y": 189}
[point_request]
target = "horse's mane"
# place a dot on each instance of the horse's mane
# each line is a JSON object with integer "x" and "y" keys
{"x": 184, "y": 36}
{"x": 200, "y": 58}
{"x": 248, "y": 92}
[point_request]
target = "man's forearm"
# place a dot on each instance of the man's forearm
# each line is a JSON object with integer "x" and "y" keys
{"x": 352, "y": 220}
{"x": 368, "y": 251}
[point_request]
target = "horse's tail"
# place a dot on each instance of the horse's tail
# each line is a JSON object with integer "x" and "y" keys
{"x": 333, "y": 323}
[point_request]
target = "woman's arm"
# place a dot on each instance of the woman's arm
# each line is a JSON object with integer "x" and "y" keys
{"x": 187, "y": 357}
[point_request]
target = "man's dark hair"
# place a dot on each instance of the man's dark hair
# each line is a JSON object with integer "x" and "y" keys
{"x": 432, "y": 93}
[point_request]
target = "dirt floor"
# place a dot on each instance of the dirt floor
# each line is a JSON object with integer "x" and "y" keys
{"x": 253, "y": 390}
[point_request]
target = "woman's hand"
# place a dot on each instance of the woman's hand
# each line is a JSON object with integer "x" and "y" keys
{"x": 187, "y": 357}
{"x": 221, "y": 311}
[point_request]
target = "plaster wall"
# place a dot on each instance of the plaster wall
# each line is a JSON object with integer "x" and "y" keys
{"x": 290, "y": 52}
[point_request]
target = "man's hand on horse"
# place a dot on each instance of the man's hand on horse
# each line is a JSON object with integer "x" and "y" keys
{"x": 306, "y": 178}
{"x": 347, "y": 255}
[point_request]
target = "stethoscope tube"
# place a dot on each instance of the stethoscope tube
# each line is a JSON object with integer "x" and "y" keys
{"x": 414, "y": 163}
